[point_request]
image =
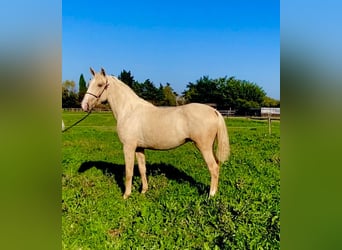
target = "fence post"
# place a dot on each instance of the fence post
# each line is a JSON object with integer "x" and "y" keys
{"x": 269, "y": 124}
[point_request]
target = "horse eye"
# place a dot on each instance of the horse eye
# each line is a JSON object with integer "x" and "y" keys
{"x": 100, "y": 85}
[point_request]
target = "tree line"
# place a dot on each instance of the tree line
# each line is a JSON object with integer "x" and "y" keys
{"x": 224, "y": 93}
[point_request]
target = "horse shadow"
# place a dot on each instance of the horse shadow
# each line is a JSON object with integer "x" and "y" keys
{"x": 154, "y": 169}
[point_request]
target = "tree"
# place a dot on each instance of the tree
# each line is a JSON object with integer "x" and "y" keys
{"x": 270, "y": 102}
{"x": 169, "y": 95}
{"x": 226, "y": 93}
{"x": 127, "y": 78}
{"x": 69, "y": 97}
{"x": 150, "y": 93}
{"x": 205, "y": 90}
{"x": 82, "y": 88}
{"x": 68, "y": 85}
{"x": 241, "y": 95}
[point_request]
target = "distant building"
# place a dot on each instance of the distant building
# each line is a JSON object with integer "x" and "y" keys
{"x": 270, "y": 111}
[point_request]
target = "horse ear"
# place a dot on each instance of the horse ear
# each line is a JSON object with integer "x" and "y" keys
{"x": 92, "y": 71}
{"x": 103, "y": 72}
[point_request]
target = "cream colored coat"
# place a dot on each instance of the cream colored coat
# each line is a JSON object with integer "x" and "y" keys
{"x": 141, "y": 125}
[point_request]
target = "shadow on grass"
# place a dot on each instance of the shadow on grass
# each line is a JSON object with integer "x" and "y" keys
{"x": 155, "y": 169}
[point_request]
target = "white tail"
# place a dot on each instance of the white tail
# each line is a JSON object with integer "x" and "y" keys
{"x": 223, "y": 147}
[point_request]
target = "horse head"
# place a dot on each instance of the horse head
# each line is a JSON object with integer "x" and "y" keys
{"x": 96, "y": 91}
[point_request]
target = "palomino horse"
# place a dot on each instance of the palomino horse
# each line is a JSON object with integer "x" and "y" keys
{"x": 141, "y": 125}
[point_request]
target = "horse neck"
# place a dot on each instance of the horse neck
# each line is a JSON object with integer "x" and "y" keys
{"x": 122, "y": 99}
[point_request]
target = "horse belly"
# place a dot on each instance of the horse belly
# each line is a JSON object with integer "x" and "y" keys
{"x": 164, "y": 134}
{"x": 164, "y": 144}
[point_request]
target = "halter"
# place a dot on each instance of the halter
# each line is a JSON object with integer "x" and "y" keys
{"x": 99, "y": 95}
{"x": 88, "y": 113}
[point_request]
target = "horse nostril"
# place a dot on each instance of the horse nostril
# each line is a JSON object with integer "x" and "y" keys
{"x": 85, "y": 106}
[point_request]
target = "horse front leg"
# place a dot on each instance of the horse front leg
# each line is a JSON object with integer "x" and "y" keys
{"x": 129, "y": 166}
{"x": 140, "y": 154}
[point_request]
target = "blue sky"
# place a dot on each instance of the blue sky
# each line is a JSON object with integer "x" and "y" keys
{"x": 174, "y": 41}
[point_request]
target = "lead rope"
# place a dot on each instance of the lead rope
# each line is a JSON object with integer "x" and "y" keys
{"x": 97, "y": 97}
{"x": 76, "y": 122}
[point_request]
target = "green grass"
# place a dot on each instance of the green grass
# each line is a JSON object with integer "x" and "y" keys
{"x": 175, "y": 213}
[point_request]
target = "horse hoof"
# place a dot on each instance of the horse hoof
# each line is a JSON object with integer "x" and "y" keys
{"x": 125, "y": 196}
{"x": 212, "y": 194}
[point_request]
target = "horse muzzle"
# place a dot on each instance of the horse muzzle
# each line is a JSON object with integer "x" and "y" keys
{"x": 85, "y": 105}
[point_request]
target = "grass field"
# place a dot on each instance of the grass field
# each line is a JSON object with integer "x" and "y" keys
{"x": 175, "y": 213}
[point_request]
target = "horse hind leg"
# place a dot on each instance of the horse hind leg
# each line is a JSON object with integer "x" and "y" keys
{"x": 140, "y": 154}
{"x": 213, "y": 167}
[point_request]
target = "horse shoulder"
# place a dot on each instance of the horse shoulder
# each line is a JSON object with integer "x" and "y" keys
{"x": 129, "y": 126}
